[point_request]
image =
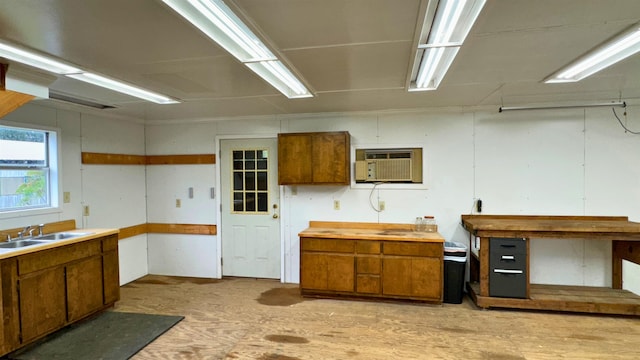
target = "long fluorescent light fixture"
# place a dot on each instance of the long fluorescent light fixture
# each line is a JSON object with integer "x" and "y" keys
{"x": 119, "y": 86}
{"x": 222, "y": 25}
{"x": 580, "y": 106}
{"x": 29, "y": 57}
{"x": 618, "y": 48}
{"x": 446, "y": 26}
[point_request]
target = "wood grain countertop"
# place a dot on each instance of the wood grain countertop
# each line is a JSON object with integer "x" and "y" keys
{"x": 605, "y": 227}
{"x": 50, "y": 244}
{"x": 369, "y": 231}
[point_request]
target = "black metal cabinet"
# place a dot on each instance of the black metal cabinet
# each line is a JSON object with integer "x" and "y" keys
{"x": 508, "y": 267}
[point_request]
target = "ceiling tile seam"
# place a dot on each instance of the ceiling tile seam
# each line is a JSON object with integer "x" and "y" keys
{"x": 346, "y": 45}
{"x": 625, "y": 22}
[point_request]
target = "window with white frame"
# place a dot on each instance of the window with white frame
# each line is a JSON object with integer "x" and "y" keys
{"x": 28, "y": 168}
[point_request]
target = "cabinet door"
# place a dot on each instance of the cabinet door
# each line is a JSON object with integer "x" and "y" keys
{"x": 314, "y": 158}
{"x": 330, "y": 157}
{"x": 294, "y": 159}
{"x": 111, "y": 277}
{"x": 331, "y": 272}
{"x": 84, "y": 287}
{"x": 42, "y": 303}
{"x": 418, "y": 277}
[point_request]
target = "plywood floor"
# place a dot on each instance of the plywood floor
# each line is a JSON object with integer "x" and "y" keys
{"x": 267, "y": 320}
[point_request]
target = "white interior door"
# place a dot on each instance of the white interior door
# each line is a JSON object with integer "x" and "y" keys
{"x": 250, "y": 208}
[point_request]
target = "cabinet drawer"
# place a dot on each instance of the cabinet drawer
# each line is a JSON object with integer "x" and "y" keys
{"x": 508, "y": 283}
{"x": 368, "y": 284}
{"x": 329, "y": 245}
{"x": 110, "y": 243}
{"x": 368, "y": 265}
{"x": 413, "y": 249}
{"x": 368, "y": 247}
{"x": 508, "y": 246}
{"x": 53, "y": 257}
{"x": 508, "y": 261}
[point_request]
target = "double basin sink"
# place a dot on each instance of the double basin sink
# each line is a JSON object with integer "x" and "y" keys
{"x": 42, "y": 239}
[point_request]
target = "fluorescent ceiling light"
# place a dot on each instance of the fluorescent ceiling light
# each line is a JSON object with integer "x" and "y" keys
{"x": 222, "y": 25}
{"x": 618, "y": 48}
{"x": 119, "y": 86}
{"x": 552, "y": 107}
{"x": 446, "y": 25}
{"x": 31, "y": 58}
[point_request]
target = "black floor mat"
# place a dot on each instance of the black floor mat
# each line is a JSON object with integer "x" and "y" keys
{"x": 109, "y": 336}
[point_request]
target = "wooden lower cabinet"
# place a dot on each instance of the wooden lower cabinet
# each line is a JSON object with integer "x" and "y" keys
{"x": 42, "y": 303}
{"x": 381, "y": 269}
{"x": 412, "y": 277}
{"x": 323, "y": 270}
{"x": 84, "y": 288}
{"x": 49, "y": 289}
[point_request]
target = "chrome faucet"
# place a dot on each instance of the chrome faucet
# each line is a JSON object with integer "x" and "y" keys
{"x": 24, "y": 231}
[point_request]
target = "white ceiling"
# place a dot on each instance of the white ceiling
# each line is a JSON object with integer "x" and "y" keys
{"x": 354, "y": 54}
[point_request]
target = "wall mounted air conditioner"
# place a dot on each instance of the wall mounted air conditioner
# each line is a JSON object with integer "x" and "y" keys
{"x": 388, "y": 165}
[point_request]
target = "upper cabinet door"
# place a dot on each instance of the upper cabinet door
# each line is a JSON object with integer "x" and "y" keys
{"x": 321, "y": 158}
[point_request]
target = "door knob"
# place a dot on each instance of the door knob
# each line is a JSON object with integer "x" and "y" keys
{"x": 275, "y": 216}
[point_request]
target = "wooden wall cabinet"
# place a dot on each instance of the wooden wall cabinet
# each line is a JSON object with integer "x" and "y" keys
{"x": 49, "y": 289}
{"x": 321, "y": 158}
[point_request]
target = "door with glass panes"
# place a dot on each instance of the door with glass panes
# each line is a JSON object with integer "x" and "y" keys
{"x": 250, "y": 208}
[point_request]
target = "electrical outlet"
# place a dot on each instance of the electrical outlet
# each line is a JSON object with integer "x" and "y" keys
{"x": 85, "y": 210}
{"x": 178, "y": 203}
{"x": 381, "y": 205}
{"x": 336, "y": 204}
{"x": 66, "y": 197}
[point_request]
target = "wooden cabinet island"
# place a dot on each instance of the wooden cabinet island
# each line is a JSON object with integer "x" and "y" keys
{"x": 371, "y": 261}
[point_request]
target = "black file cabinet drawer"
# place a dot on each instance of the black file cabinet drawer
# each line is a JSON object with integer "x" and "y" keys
{"x": 510, "y": 283}
{"x": 508, "y": 246}
{"x": 508, "y": 261}
{"x": 507, "y": 267}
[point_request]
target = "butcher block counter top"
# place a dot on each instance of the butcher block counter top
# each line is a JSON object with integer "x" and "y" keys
{"x": 369, "y": 231}
{"x": 593, "y": 227}
{"x": 87, "y": 234}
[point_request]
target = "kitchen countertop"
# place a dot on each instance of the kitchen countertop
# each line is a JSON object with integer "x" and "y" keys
{"x": 50, "y": 244}
{"x": 369, "y": 231}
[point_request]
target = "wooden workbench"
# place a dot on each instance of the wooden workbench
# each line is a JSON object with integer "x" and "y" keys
{"x": 625, "y": 238}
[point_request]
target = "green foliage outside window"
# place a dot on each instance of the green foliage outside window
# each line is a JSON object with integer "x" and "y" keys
{"x": 34, "y": 190}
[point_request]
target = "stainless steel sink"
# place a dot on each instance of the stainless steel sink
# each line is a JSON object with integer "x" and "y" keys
{"x": 62, "y": 236}
{"x": 19, "y": 243}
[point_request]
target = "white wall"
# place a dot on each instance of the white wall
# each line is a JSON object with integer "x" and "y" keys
{"x": 115, "y": 194}
{"x": 570, "y": 162}
{"x": 180, "y": 254}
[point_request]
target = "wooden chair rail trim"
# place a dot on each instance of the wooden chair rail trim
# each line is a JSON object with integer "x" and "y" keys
{"x": 125, "y": 232}
{"x": 181, "y": 159}
{"x": 124, "y": 159}
{"x": 160, "y": 228}
{"x": 112, "y": 159}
